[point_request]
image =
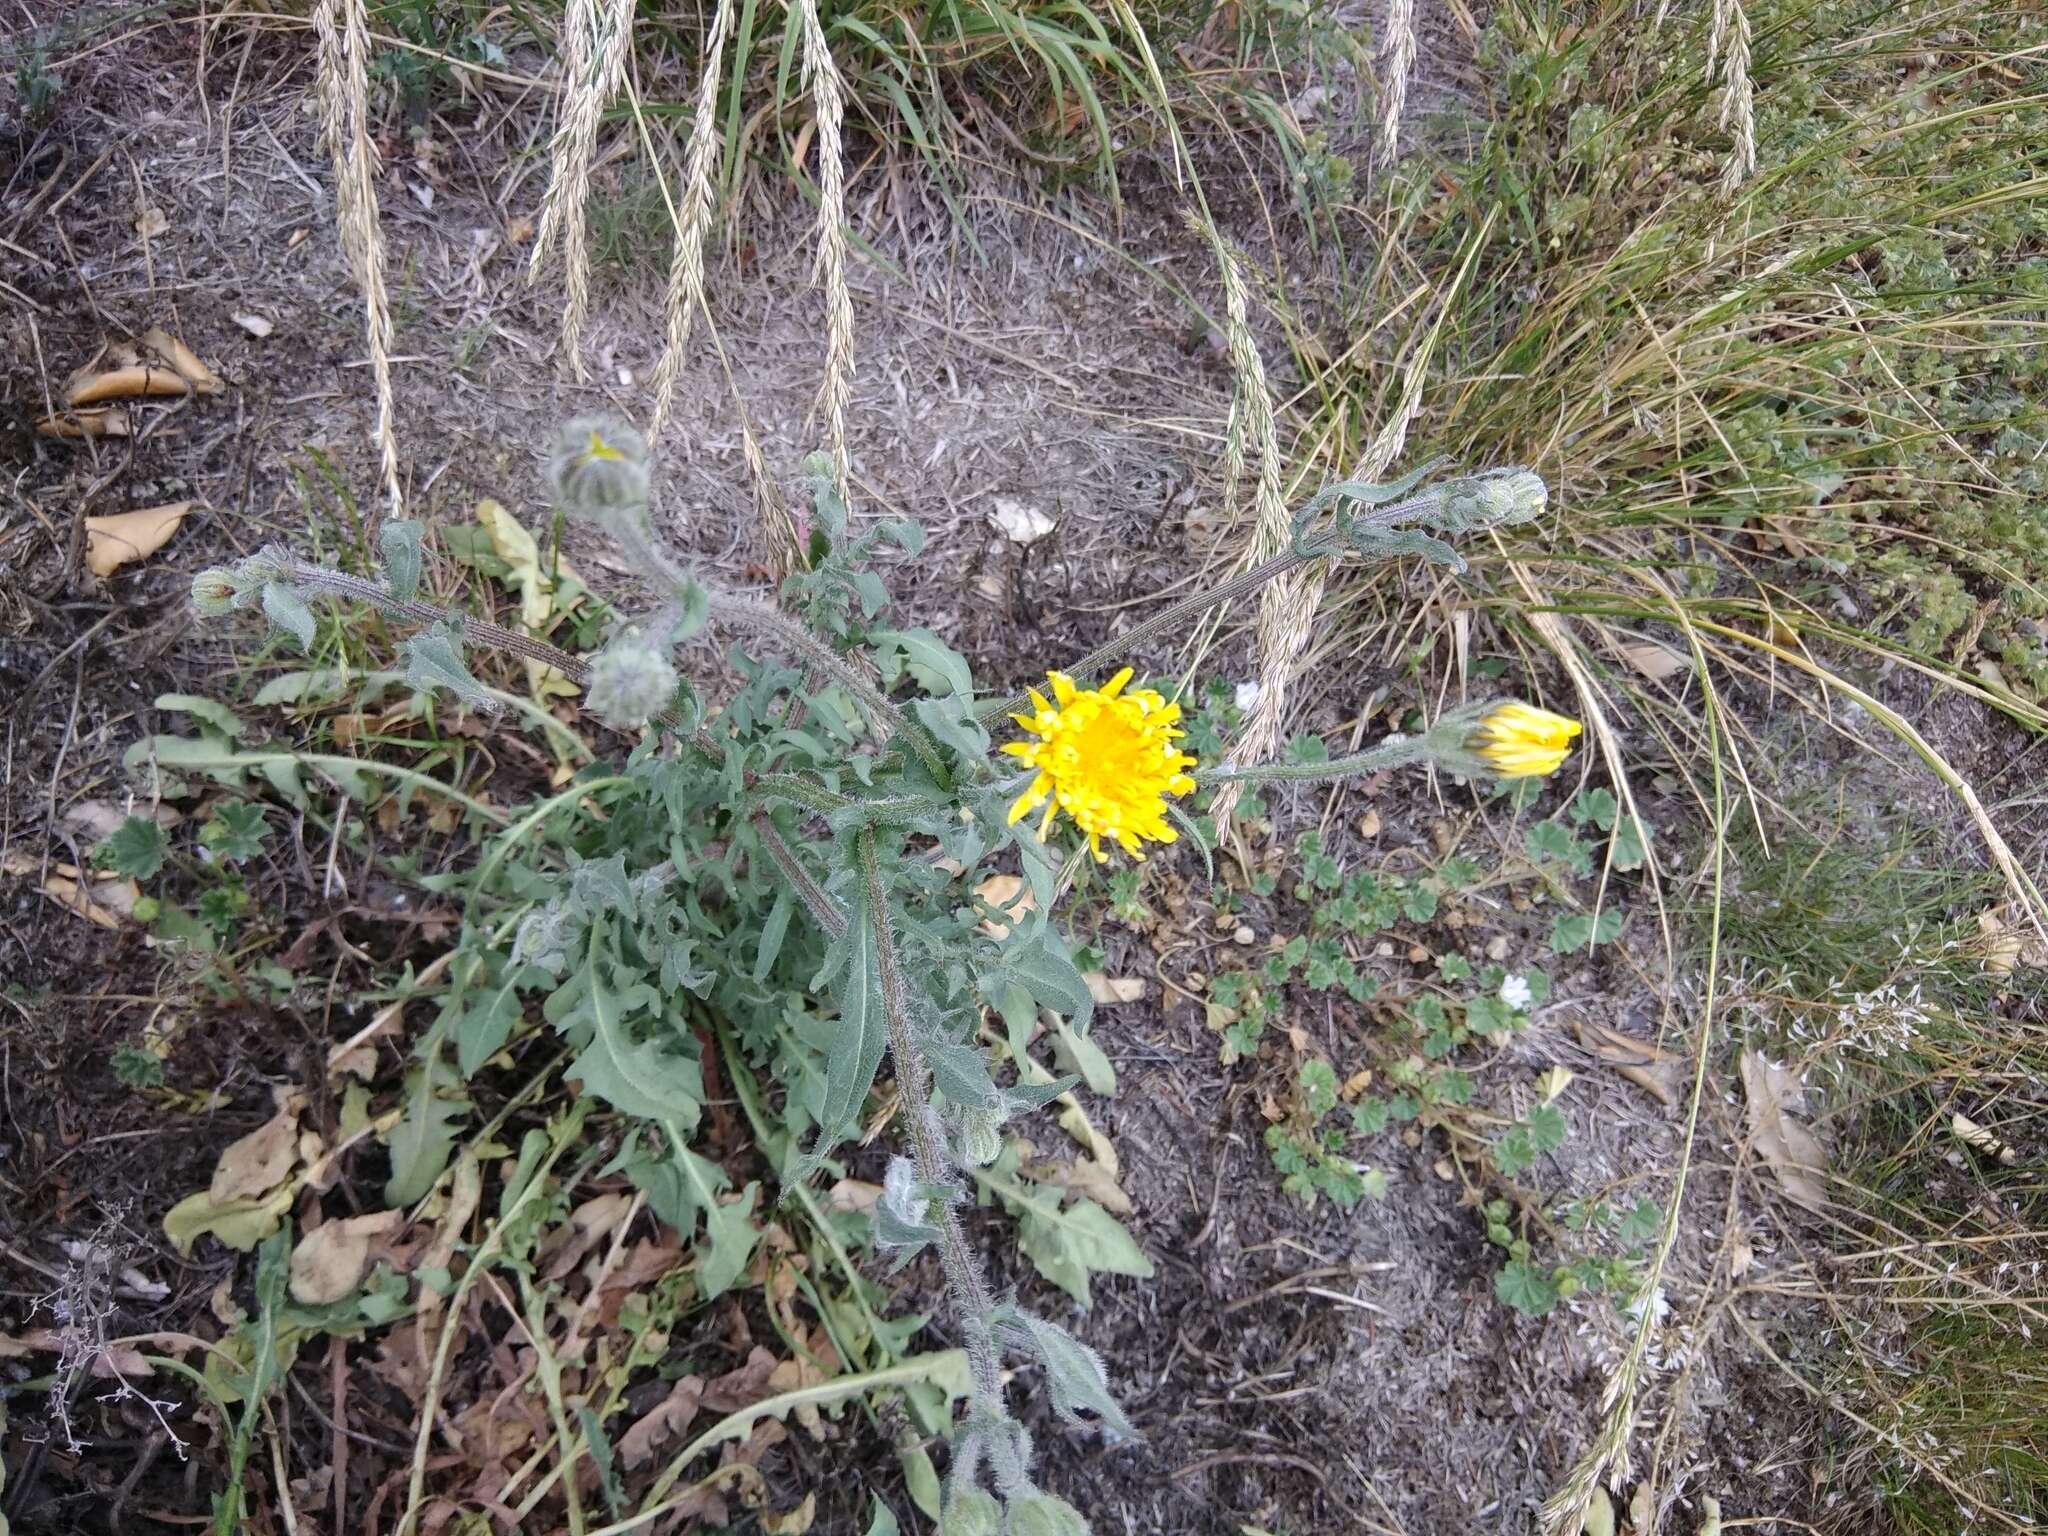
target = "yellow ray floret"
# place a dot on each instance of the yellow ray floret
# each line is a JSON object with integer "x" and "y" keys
{"x": 1105, "y": 757}
{"x": 1521, "y": 741}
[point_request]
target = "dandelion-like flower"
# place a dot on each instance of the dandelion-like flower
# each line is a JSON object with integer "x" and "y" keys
{"x": 1521, "y": 741}
{"x": 1105, "y": 757}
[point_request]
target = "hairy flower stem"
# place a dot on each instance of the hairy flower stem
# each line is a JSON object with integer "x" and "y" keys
{"x": 483, "y": 631}
{"x": 1235, "y": 587}
{"x": 1388, "y": 754}
{"x": 752, "y": 614}
{"x": 913, "y": 1080}
{"x": 823, "y": 909}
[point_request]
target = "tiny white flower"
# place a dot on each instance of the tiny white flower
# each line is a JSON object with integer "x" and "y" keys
{"x": 1515, "y": 992}
{"x": 1247, "y": 694}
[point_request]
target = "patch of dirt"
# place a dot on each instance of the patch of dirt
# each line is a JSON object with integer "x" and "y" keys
{"x": 1291, "y": 1369}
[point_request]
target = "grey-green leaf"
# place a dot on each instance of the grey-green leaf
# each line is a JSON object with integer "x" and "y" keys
{"x": 1073, "y": 1372}
{"x": 399, "y": 543}
{"x": 288, "y": 611}
{"x": 433, "y": 660}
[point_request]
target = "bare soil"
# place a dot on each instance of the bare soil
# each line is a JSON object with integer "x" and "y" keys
{"x": 1292, "y": 1369}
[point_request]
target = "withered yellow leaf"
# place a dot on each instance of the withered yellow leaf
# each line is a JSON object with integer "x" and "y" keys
{"x": 114, "y": 541}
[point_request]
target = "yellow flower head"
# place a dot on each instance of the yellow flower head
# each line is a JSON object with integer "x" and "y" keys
{"x": 1521, "y": 741}
{"x": 1105, "y": 757}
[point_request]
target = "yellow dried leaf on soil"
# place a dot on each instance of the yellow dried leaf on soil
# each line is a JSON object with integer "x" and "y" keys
{"x": 117, "y": 540}
{"x": 536, "y": 587}
{"x": 258, "y": 1162}
{"x": 1007, "y": 894}
{"x": 329, "y": 1262}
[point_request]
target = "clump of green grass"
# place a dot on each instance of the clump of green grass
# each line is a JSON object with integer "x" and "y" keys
{"x": 1794, "y": 429}
{"x": 1862, "y": 959}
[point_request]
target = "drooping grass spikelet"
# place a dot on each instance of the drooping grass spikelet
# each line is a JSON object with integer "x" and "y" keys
{"x": 828, "y": 91}
{"x": 343, "y": 33}
{"x": 693, "y": 221}
{"x": 594, "y": 44}
{"x": 1396, "y": 64}
{"x": 1728, "y": 42}
{"x": 1284, "y": 606}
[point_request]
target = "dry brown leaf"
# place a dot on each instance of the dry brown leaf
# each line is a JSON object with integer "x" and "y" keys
{"x": 1008, "y": 894}
{"x": 854, "y": 1195}
{"x": 1084, "y": 1176}
{"x": 2006, "y": 945}
{"x": 1108, "y": 991}
{"x": 1654, "y": 661}
{"x": 112, "y": 542}
{"x": 1791, "y": 1151}
{"x": 330, "y": 1261}
{"x": 662, "y": 1423}
{"x": 104, "y": 898}
{"x": 1354, "y": 1085}
{"x": 255, "y": 325}
{"x": 746, "y": 1384}
{"x": 181, "y": 357}
{"x": 794, "y": 1376}
{"x": 151, "y": 222}
{"x": 798, "y": 1521}
{"x": 105, "y": 421}
{"x": 261, "y": 1160}
{"x": 1649, "y": 1067}
{"x": 138, "y": 379}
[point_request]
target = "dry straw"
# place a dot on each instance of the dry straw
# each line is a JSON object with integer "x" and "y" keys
{"x": 343, "y": 34}
{"x": 1397, "y": 63}
{"x": 692, "y": 221}
{"x": 594, "y": 46}
{"x": 1287, "y": 604}
{"x": 1728, "y": 43}
{"x": 828, "y": 92}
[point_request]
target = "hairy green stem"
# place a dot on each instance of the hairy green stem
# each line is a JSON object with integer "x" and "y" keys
{"x": 753, "y": 614}
{"x": 1388, "y": 754}
{"x": 913, "y": 1082}
{"x": 497, "y": 636}
{"x": 823, "y": 909}
{"x": 1235, "y": 587}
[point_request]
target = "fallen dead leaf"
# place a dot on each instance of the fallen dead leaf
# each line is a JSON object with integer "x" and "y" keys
{"x": 102, "y": 898}
{"x": 106, "y": 1363}
{"x": 181, "y": 357}
{"x": 114, "y": 541}
{"x": 1971, "y": 1134}
{"x": 1654, "y": 661}
{"x": 662, "y": 1423}
{"x": 138, "y": 379}
{"x": 330, "y": 1261}
{"x": 1108, "y": 991}
{"x": 1009, "y": 895}
{"x": 151, "y": 222}
{"x": 1649, "y": 1067}
{"x": 537, "y": 593}
{"x": 260, "y": 1161}
{"x": 255, "y": 325}
{"x": 850, "y": 1195}
{"x": 794, "y": 1376}
{"x": 1788, "y": 1148}
{"x": 1019, "y": 521}
{"x": 2006, "y": 945}
{"x": 797, "y": 1521}
{"x": 105, "y": 421}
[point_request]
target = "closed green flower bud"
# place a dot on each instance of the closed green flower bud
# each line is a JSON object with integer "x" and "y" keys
{"x": 1044, "y": 1514}
{"x": 215, "y": 594}
{"x": 981, "y": 1136}
{"x": 599, "y": 468}
{"x": 631, "y": 681}
{"x": 971, "y": 1512}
